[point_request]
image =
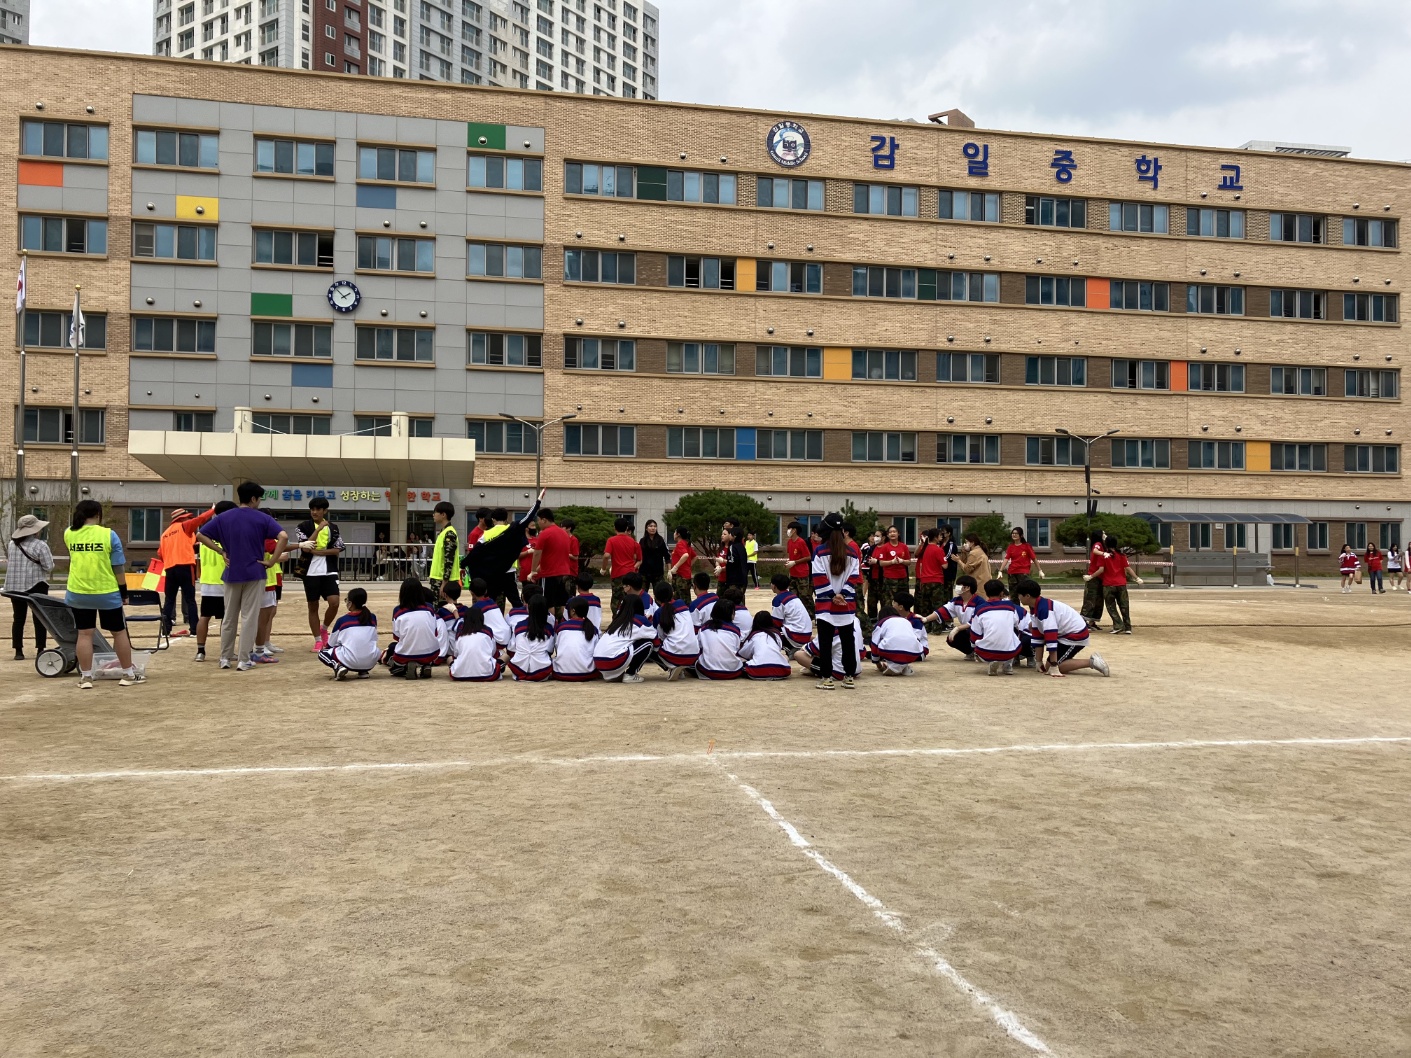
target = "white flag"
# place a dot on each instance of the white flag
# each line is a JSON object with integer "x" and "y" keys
{"x": 20, "y": 288}
{"x": 76, "y": 325}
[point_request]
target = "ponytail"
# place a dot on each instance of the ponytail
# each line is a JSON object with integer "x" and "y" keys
{"x": 838, "y": 552}
{"x": 666, "y": 609}
{"x": 579, "y": 607}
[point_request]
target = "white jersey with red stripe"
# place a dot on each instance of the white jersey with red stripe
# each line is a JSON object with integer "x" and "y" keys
{"x": 682, "y": 645}
{"x": 895, "y": 643}
{"x": 475, "y": 657}
{"x": 763, "y": 657}
{"x": 994, "y": 630}
{"x": 720, "y": 658}
{"x": 792, "y": 619}
{"x": 1056, "y": 622}
{"x": 573, "y": 653}
{"x": 494, "y": 620}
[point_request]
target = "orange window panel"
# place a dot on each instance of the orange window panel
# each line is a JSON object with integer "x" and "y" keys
{"x": 42, "y": 174}
{"x": 1179, "y": 376}
{"x": 1099, "y": 294}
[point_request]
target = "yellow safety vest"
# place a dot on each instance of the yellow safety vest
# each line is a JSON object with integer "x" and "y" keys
{"x": 212, "y": 566}
{"x": 91, "y": 560}
{"x": 438, "y": 558}
{"x": 272, "y": 574}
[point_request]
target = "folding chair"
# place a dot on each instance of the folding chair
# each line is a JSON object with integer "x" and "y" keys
{"x": 142, "y": 597}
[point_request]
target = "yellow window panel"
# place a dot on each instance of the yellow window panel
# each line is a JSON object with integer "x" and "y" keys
{"x": 837, "y": 363}
{"x": 189, "y": 207}
{"x": 1256, "y": 455}
{"x": 744, "y": 273}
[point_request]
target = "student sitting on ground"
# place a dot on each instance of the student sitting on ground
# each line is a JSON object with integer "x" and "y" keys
{"x": 896, "y": 646}
{"x": 490, "y": 614}
{"x": 626, "y": 644}
{"x": 720, "y": 644}
{"x": 595, "y": 605}
{"x": 516, "y": 617}
{"x": 791, "y": 617}
{"x": 705, "y": 600}
{"x": 994, "y": 630}
{"x": 742, "y": 619}
{"x": 475, "y": 656}
{"x": 416, "y": 640}
{"x": 678, "y": 647}
{"x": 1058, "y": 633}
{"x": 532, "y": 648}
{"x": 635, "y": 584}
{"x": 573, "y": 643}
{"x": 808, "y": 658}
{"x": 959, "y": 611}
{"x": 449, "y": 612}
{"x": 352, "y": 642}
{"x": 763, "y": 652}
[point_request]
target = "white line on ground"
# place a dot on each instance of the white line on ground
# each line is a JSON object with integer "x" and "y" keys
{"x": 681, "y": 758}
{"x": 1005, "y": 1019}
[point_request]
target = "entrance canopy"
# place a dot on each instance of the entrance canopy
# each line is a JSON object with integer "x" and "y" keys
{"x": 1246, "y": 518}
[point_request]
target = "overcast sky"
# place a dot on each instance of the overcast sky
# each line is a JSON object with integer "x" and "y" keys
{"x": 1215, "y": 72}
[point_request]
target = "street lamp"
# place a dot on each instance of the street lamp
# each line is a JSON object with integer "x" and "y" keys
{"x": 1087, "y": 443}
{"x": 538, "y": 428}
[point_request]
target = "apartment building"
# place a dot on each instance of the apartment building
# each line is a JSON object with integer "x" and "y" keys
{"x": 14, "y": 21}
{"x": 592, "y": 47}
{"x": 805, "y": 308}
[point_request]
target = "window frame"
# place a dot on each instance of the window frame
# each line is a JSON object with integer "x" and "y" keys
{"x": 202, "y": 332}
{"x": 397, "y": 153}
{"x": 206, "y": 141}
{"x": 949, "y": 445}
{"x": 27, "y": 222}
{"x": 576, "y": 430}
{"x": 178, "y": 230}
{"x": 298, "y": 329}
{"x": 886, "y": 441}
{"x": 576, "y": 260}
{"x": 528, "y": 440}
{"x": 422, "y": 350}
{"x": 530, "y": 257}
{"x": 808, "y": 355}
{"x": 577, "y": 353}
{"x": 67, "y": 138}
{"x": 703, "y": 351}
{"x": 526, "y": 169}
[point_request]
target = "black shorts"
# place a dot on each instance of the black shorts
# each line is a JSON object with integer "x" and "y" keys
{"x": 324, "y": 587}
{"x": 111, "y": 620}
{"x": 213, "y": 606}
{"x": 278, "y": 592}
{"x": 1069, "y": 651}
{"x": 556, "y": 591}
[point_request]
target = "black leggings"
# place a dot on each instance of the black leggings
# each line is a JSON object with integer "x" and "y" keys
{"x": 21, "y": 608}
{"x": 642, "y": 652}
{"x": 825, "y": 647}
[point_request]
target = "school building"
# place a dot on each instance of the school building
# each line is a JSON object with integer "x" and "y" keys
{"x": 805, "y": 308}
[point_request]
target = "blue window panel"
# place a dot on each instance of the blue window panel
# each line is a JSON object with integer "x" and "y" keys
{"x": 744, "y": 442}
{"x": 374, "y": 196}
{"x": 314, "y": 376}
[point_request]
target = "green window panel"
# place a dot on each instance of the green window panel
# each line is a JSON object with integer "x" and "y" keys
{"x": 494, "y": 136}
{"x": 271, "y": 304}
{"x": 651, "y": 183}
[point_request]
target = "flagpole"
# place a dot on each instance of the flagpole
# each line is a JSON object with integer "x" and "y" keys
{"x": 19, "y": 431}
{"x": 77, "y": 341}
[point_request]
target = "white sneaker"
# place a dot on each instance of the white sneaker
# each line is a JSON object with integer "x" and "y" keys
{"x": 849, "y": 684}
{"x": 676, "y": 673}
{"x": 244, "y": 666}
{"x": 827, "y": 683}
{"x": 1008, "y": 669}
{"x": 133, "y": 680}
{"x": 633, "y": 678}
{"x": 1100, "y": 665}
{"x": 225, "y": 663}
{"x": 270, "y": 648}
{"x": 85, "y": 683}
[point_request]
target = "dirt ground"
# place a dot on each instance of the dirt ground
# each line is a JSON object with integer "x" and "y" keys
{"x": 1207, "y": 854}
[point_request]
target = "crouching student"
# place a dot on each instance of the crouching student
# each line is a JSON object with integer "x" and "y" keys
{"x": 532, "y": 648}
{"x": 763, "y": 651}
{"x": 791, "y": 618}
{"x": 1058, "y": 632}
{"x": 573, "y": 643}
{"x": 704, "y": 602}
{"x": 720, "y": 644}
{"x": 621, "y": 651}
{"x": 994, "y": 630}
{"x": 808, "y": 657}
{"x": 678, "y": 647}
{"x": 959, "y": 611}
{"x": 517, "y": 616}
{"x": 352, "y": 643}
{"x": 895, "y": 643}
{"x": 475, "y": 656}
{"x": 490, "y": 614}
{"x": 416, "y": 634}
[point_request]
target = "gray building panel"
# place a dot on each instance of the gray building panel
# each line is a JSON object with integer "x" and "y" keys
{"x": 147, "y": 182}
{"x": 316, "y": 124}
{"x": 154, "y": 110}
{"x": 92, "y": 177}
{"x": 416, "y": 132}
{"x": 518, "y": 137}
{"x": 280, "y": 120}
{"x": 198, "y": 113}
{"x": 33, "y": 198}
{"x": 237, "y": 117}
{"x": 376, "y": 128}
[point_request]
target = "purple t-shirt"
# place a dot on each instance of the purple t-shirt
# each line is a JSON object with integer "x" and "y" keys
{"x": 243, "y": 532}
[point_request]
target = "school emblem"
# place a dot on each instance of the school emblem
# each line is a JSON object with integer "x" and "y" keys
{"x": 788, "y": 144}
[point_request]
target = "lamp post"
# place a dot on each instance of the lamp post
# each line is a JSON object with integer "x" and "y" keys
{"x": 538, "y": 428}
{"x": 1087, "y": 443}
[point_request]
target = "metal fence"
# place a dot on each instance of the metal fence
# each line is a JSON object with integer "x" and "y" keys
{"x": 393, "y": 562}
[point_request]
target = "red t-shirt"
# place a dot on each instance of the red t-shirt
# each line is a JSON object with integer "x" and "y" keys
{"x": 1114, "y": 570}
{"x": 1374, "y": 560}
{"x": 625, "y": 554}
{"x": 574, "y": 546}
{"x": 931, "y": 566}
{"x": 1021, "y": 558}
{"x": 1095, "y": 558}
{"x": 800, "y": 557}
{"x": 526, "y": 559}
{"x": 554, "y": 546}
{"x": 475, "y": 535}
{"x": 888, "y": 552}
{"x": 682, "y": 548}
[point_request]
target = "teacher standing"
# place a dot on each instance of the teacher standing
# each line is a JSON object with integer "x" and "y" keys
{"x": 29, "y": 564}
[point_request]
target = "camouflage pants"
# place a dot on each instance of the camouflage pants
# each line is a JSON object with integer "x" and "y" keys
{"x": 929, "y": 598}
{"x": 886, "y": 591}
{"x": 803, "y": 588}
{"x": 1118, "y": 607}
{"x": 681, "y": 588}
{"x": 617, "y": 596}
{"x": 1092, "y": 600}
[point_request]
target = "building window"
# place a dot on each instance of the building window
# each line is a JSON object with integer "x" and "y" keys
{"x": 1388, "y": 534}
{"x": 1355, "y": 533}
{"x": 694, "y": 442}
{"x": 299, "y": 249}
{"x": 1141, "y": 374}
{"x": 953, "y": 286}
{"x": 1052, "y": 452}
{"x": 1283, "y": 537}
{"x": 1367, "y": 231}
{"x": 970, "y": 205}
{"x": 1296, "y": 457}
{"x": 706, "y": 273}
{"x": 1213, "y": 300}
{"x": 421, "y": 427}
{"x": 1298, "y": 304}
{"x": 1372, "y": 459}
{"x": 56, "y": 139}
{"x": 967, "y": 367}
{"x": 175, "y": 242}
{"x": 880, "y": 447}
{"x": 1296, "y": 227}
{"x": 298, "y": 425}
{"x": 1317, "y": 536}
{"x": 878, "y": 282}
{"x": 501, "y": 172}
{"x": 372, "y": 425}
{"x": 599, "y": 266}
{"x": 789, "y": 277}
{"x": 194, "y": 422}
{"x": 793, "y": 445}
{"x": 502, "y": 437}
{"x": 64, "y": 235}
{"x": 1370, "y": 308}
{"x": 782, "y": 192}
{"x": 1055, "y": 371}
{"x": 54, "y": 426}
{"x": 1217, "y": 455}
{"x": 144, "y": 525}
{"x": 397, "y": 164}
{"x": 1215, "y": 223}
{"x": 1055, "y": 212}
{"x": 1139, "y": 295}
{"x": 600, "y": 354}
{"x": 1055, "y": 290}
{"x": 884, "y": 200}
{"x": 890, "y": 365}
{"x": 168, "y": 334}
{"x": 1216, "y": 378}
{"x": 292, "y": 339}
{"x": 594, "y": 440}
{"x": 1299, "y": 381}
{"x": 294, "y": 157}
{"x": 700, "y": 358}
{"x": 189, "y": 150}
{"x": 685, "y": 186}
{"x": 964, "y": 447}
{"x": 607, "y": 181}
{"x": 786, "y": 361}
{"x": 1138, "y": 216}
{"x": 1201, "y": 536}
{"x": 1366, "y": 383}
{"x": 1038, "y": 533}
{"x": 493, "y": 260}
{"x": 386, "y": 253}
{"x": 487, "y": 349}
{"x": 406, "y": 345}
{"x": 1135, "y": 453}
{"x": 50, "y": 330}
